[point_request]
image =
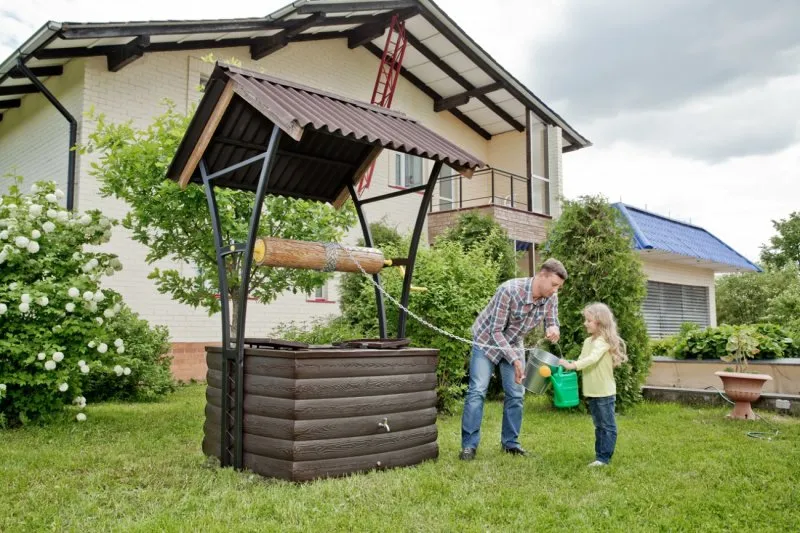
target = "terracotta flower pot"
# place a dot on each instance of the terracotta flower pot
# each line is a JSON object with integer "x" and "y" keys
{"x": 742, "y": 389}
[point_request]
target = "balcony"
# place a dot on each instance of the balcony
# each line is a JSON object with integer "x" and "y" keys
{"x": 519, "y": 204}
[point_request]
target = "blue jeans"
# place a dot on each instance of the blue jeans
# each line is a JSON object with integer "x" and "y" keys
{"x": 480, "y": 372}
{"x": 605, "y": 427}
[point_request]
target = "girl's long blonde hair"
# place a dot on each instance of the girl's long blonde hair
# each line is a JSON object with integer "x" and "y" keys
{"x": 607, "y": 326}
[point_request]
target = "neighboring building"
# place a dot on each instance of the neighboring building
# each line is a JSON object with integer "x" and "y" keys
{"x": 448, "y": 83}
{"x": 680, "y": 261}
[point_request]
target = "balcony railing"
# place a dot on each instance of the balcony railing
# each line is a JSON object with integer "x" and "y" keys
{"x": 493, "y": 186}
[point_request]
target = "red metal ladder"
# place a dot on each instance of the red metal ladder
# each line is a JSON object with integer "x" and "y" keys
{"x": 386, "y": 82}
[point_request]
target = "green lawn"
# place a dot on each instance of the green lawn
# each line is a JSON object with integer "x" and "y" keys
{"x": 139, "y": 468}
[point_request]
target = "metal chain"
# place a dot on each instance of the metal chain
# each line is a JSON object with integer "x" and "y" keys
{"x": 417, "y": 317}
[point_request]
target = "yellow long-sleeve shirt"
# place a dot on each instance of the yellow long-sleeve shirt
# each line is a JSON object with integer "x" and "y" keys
{"x": 597, "y": 365}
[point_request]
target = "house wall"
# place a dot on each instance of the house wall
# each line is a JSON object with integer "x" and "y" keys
{"x": 667, "y": 272}
{"x": 34, "y": 138}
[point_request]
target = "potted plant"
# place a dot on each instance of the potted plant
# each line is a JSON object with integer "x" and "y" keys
{"x": 741, "y": 386}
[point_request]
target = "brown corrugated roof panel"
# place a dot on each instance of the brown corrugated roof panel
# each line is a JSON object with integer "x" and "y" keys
{"x": 328, "y": 138}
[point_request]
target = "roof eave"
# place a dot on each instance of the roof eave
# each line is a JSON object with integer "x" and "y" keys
{"x": 699, "y": 262}
{"x": 48, "y": 30}
{"x": 577, "y": 141}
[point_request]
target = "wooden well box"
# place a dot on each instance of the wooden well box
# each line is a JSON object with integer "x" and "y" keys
{"x": 326, "y": 411}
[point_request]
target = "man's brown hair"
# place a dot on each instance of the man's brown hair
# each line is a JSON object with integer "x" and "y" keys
{"x": 554, "y": 266}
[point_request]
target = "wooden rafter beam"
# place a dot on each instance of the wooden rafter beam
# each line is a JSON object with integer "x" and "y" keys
{"x": 349, "y": 7}
{"x": 101, "y": 50}
{"x": 419, "y": 84}
{"x": 11, "y": 90}
{"x": 371, "y": 156}
{"x": 463, "y": 98}
{"x": 121, "y": 56}
{"x": 458, "y": 78}
{"x": 476, "y": 58}
{"x": 206, "y": 135}
{"x": 8, "y": 104}
{"x": 40, "y": 72}
{"x": 370, "y": 31}
{"x": 263, "y": 47}
{"x": 112, "y": 31}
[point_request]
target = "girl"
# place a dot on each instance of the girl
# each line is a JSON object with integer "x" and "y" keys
{"x": 602, "y": 351}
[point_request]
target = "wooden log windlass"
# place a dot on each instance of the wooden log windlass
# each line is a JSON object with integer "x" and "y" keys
{"x": 325, "y": 257}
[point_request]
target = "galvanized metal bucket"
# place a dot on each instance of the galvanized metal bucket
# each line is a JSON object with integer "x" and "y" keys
{"x": 534, "y": 382}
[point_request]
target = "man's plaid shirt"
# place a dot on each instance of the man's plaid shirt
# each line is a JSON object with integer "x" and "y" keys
{"x": 511, "y": 314}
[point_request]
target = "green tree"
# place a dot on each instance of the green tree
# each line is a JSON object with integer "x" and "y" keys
{"x": 595, "y": 246}
{"x": 476, "y": 230}
{"x": 746, "y": 298}
{"x": 784, "y": 248}
{"x": 175, "y": 224}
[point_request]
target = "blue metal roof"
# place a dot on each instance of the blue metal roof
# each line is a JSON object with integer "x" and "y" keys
{"x": 656, "y": 232}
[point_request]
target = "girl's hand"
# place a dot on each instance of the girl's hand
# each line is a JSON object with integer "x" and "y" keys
{"x": 566, "y": 364}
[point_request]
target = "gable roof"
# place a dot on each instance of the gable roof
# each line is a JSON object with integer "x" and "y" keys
{"x": 329, "y": 139}
{"x": 670, "y": 239}
{"x": 441, "y": 59}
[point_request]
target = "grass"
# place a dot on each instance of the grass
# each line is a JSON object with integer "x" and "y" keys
{"x": 138, "y": 467}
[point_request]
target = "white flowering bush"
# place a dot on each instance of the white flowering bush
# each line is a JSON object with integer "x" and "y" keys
{"x": 54, "y": 315}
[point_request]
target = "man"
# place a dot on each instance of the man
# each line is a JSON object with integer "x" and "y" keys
{"x": 518, "y": 306}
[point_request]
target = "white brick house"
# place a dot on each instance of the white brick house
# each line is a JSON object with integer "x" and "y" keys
{"x": 125, "y": 71}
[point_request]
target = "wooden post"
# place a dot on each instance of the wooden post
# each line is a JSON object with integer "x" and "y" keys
{"x": 272, "y": 251}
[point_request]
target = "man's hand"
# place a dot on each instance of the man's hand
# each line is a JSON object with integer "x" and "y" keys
{"x": 519, "y": 371}
{"x": 552, "y": 334}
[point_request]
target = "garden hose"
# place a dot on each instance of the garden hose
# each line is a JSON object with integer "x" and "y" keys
{"x": 769, "y": 435}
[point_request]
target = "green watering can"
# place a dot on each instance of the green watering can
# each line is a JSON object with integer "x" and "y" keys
{"x": 565, "y": 387}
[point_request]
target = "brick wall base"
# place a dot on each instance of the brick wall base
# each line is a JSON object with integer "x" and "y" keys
{"x": 189, "y": 360}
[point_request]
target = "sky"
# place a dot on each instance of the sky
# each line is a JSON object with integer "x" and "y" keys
{"x": 692, "y": 106}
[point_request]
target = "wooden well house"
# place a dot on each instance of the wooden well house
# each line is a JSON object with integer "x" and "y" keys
{"x": 289, "y": 410}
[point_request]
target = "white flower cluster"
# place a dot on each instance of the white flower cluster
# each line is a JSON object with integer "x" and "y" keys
{"x": 50, "y": 364}
{"x": 83, "y": 366}
{"x": 122, "y": 371}
{"x": 80, "y": 402}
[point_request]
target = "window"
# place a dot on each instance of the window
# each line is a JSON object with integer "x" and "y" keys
{"x": 448, "y": 188}
{"x": 320, "y": 295}
{"x": 668, "y": 305}
{"x": 407, "y": 170}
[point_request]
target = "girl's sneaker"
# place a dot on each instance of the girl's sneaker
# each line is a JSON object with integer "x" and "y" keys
{"x": 597, "y": 463}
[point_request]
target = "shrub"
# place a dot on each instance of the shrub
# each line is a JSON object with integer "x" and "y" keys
{"x": 662, "y": 347}
{"x": 56, "y": 323}
{"x": 475, "y": 230}
{"x": 594, "y": 245}
{"x": 150, "y": 376}
{"x": 324, "y": 330}
{"x": 773, "y": 342}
